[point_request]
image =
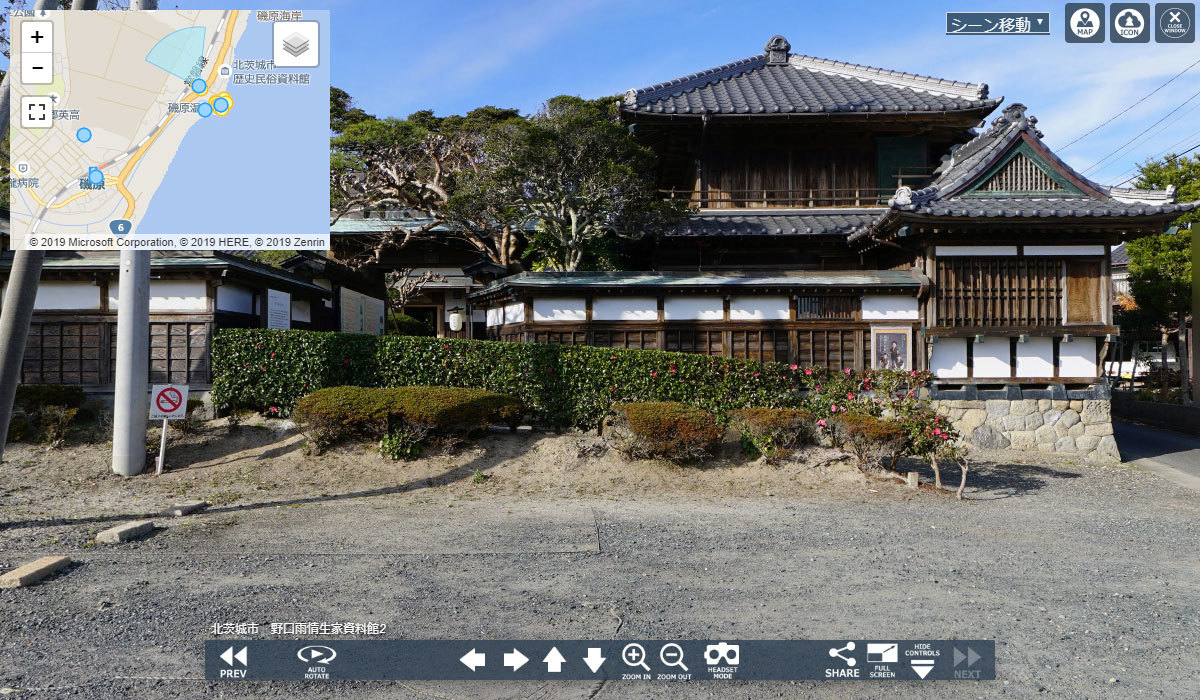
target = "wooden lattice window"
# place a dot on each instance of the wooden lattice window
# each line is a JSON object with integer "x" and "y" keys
{"x": 1020, "y": 174}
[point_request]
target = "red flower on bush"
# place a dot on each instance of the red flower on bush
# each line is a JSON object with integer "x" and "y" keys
{"x": 795, "y": 367}
{"x": 447, "y": 346}
{"x": 345, "y": 362}
{"x": 833, "y": 408}
{"x": 756, "y": 375}
{"x": 847, "y": 371}
{"x": 613, "y": 357}
{"x": 274, "y": 409}
{"x": 850, "y": 396}
{"x": 822, "y": 423}
{"x": 272, "y": 354}
{"x": 263, "y": 368}
{"x": 654, "y": 374}
{"x": 808, "y": 371}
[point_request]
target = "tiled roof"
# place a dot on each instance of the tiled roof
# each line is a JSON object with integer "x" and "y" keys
{"x": 777, "y": 222}
{"x": 951, "y": 194}
{"x": 776, "y": 82}
{"x": 808, "y": 279}
{"x": 1120, "y": 256}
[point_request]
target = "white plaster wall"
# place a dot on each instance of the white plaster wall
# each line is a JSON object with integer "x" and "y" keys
{"x": 991, "y": 358}
{"x": 478, "y": 316}
{"x": 1060, "y": 250}
{"x": 625, "y": 309}
{"x": 230, "y": 297}
{"x": 514, "y": 313}
{"x": 1035, "y": 358}
{"x": 553, "y": 309}
{"x": 961, "y": 250}
{"x": 693, "y": 309}
{"x": 949, "y": 358}
{"x": 495, "y": 316}
{"x": 170, "y": 295}
{"x": 453, "y": 299}
{"x": 889, "y": 308}
{"x": 301, "y": 310}
{"x": 757, "y": 308}
{"x": 1077, "y": 358}
{"x": 67, "y": 295}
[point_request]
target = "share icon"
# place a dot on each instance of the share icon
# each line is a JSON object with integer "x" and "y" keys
{"x": 850, "y": 660}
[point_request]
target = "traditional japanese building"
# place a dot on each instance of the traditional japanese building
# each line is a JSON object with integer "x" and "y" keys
{"x": 857, "y": 217}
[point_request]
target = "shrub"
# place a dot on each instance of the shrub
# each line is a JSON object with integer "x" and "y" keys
{"x": 403, "y": 441}
{"x": 773, "y": 432}
{"x": 332, "y": 414}
{"x": 560, "y": 386}
{"x": 669, "y": 429}
{"x": 873, "y": 441}
{"x": 32, "y": 397}
{"x": 20, "y": 427}
{"x": 403, "y": 324}
{"x": 56, "y": 424}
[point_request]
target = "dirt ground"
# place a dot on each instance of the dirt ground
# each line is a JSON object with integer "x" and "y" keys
{"x": 1085, "y": 576}
{"x": 266, "y": 459}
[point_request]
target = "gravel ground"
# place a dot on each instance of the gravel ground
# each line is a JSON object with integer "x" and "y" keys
{"x": 1087, "y": 577}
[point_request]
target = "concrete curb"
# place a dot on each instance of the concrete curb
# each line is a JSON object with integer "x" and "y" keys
{"x": 32, "y": 572}
{"x": 182, "y": 509}
{"x": 126, "y": 532}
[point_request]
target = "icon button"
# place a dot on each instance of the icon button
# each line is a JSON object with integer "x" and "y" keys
{"x": 634, "y": 655}
{"x": 672, "y": 655}
{"x": 554, "y": 661}
{"x": 35, "y": 112}
{"x": 1128, "y": 25}
{"x": 296, "y": 43}
{"x": 37, "y": 68}
{"x": 474, "y": 659}
{"x": 37, "y": 36}
{"x": 1174, "y": 22}
{"x": 594, "y": 659}
{"x": 887, "y": 653}
{"x": 723, "y": 653}
{"x": 1085, "y": 22}
{"x": 922, "y": 667}
{"x": 515, "y": 659}
{"x": 229, "y": 656}
{"x": 850, "y": 660}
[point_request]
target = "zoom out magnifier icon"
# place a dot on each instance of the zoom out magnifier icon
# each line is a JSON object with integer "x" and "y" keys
{"x": 672, "y": 655}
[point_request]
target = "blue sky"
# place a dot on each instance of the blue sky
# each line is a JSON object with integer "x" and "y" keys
{"x": 451, "y": 56}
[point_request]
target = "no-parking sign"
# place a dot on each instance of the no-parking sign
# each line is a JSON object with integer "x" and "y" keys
{"x": 168, "y": 401}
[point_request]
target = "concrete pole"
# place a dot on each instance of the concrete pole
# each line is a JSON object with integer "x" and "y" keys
{"x": 131, "y": 395}
{"x": 21, "y": 292}
{"x": 1194, "y": 346}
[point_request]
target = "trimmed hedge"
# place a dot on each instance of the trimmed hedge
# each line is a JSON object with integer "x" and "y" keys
{"x": 560, "y": 386}
{"x": 774, "y": 432}
{"x": 334, "y": 413}
{"x": 33, "y": 397}
{"x": 669, "y": 429}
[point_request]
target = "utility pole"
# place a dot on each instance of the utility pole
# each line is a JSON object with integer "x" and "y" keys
{"x": 131, "y": 395}
{"x": 1193, "y": 349}
{"x": 23, "y": 280}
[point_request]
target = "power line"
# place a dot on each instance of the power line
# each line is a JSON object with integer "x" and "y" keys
{"x": 1143, "y": 131}
{"x": 1164, "y": 128}
{"x": 1135, "y": 104}
{"x": 1133, "y": 172}
{"x": 1183, "y": 153}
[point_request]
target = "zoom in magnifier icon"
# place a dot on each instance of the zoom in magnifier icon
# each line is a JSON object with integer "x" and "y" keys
{"x": 634, "y": 655}
{"x": 672, "y": 655}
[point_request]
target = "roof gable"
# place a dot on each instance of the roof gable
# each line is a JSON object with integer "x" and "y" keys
{"x": 1022, "y": 170}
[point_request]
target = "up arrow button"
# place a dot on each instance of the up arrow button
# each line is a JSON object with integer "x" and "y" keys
{"x": 554, "y": 661}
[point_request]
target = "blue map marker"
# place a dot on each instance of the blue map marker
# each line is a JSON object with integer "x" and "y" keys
{"x": 199, "y": 85}
{"x": 204, "y": 109}
{"x": 119, "y": 227}
{"x": 84, "y": 134}
{"x": 95, "y": 176}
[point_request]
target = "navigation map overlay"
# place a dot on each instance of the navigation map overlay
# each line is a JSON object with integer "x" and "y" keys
{"x": 625, "y": 660}
{"x": 170, "y": 129}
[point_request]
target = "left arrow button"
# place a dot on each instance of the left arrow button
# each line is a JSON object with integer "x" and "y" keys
{"x": 474, "y": 659}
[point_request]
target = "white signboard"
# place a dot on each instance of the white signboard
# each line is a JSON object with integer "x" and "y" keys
{"x": 279, "y": 309}
{"x": 168, "y": 401}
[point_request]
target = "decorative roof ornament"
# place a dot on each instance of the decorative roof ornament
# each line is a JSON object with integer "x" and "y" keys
{"x": 777, "y": 49}
{"x": 1014, "y": 114}
{"x": 902, "y": 198}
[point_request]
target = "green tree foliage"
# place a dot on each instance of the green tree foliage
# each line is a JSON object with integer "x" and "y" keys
{"x": 342, "y": 112}
{"x": 576, "y": 178}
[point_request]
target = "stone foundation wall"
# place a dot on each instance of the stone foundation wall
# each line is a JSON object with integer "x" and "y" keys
{"x": 1081, "y": 427}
